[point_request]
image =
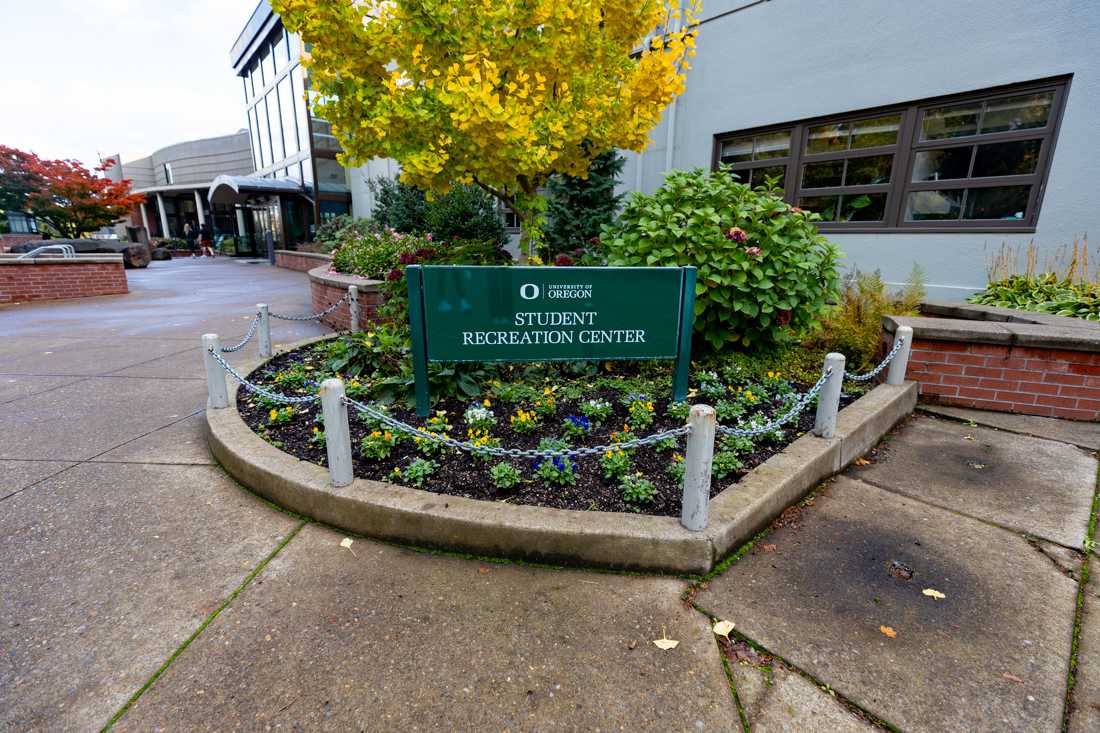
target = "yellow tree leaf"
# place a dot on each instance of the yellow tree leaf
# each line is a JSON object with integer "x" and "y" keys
{"x": 723, "y": 628}
{"x": 888, "y": 631}
{"x": 933, "y": 593}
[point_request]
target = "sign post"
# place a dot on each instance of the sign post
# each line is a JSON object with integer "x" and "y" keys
{"x": 530, "y": 314}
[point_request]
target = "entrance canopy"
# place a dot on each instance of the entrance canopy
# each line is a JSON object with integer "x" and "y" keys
{"x": 237, "y": 189}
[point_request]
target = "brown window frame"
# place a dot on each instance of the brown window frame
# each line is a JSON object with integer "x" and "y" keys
{"x": 905, "y": 151}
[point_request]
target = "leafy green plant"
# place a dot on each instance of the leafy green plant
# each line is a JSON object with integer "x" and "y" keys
{"x": 579, "y": 208}
{"x": 505, "y": 476}
{"x": 614, "y": 464}
{"x": 727, "y": 411}
{"x": 416, "y": 473}
{"x": 596, "y": 410}
{"x": 678, "y": 410}
{"x": 479, "y": 417}
{"x": 556, "y": 471}
{"x": 675, "y": 468}
{"x": 724, "y": 463}
{"x": 524, "y": 421}
{"x": 281, "y": 415}
{"x": 639, "y": 411}
{"x": 576, "y": 426}
{"x": 377, "y": 444}
{"x": 1043, "y": 293}
{"x": 482, "y": 439}
{"x": 637, "y": 490}
{"x": 764, "y": 271}
{"x": 737, "y": 444}
{"x": 318, "y": 437}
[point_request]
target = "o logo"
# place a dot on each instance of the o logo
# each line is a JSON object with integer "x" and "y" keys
{"x": 529, "y": 291}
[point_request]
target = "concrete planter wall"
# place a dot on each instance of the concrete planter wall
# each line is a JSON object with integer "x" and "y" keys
{"x": 1005, "y": 360}
{"x": 328, "y": 287}
{"x": 300, "y": 261}
{"x": 51, "y": 277}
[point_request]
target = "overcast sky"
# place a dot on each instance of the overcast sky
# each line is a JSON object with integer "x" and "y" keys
{"x": 84, "y": 78}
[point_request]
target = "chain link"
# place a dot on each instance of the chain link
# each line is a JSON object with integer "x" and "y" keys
{"x": 247, "y": 336}
{"x": 315, "y": 316}
{"x": 785, "y": 417}
{"x": 257, "y": 389}
{"x": 513, "y": 452}
{"x": 885, "y": 362}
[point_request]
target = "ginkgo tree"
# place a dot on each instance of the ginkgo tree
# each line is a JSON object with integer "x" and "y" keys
{"x": 498, "y": 94}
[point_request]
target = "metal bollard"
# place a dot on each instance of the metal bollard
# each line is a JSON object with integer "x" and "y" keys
{"x": 265, "y": 329}
{"x": 337, "y": 432}
{"x": 215, "y": 376}
{"x": 896, "y": 375}
{"x": 828, "y": 401}
{"x": 353, "y": 308}
{"x": 697, "y": 462}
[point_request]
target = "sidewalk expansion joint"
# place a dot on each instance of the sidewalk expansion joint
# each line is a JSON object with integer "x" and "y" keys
{"x": 1079, "y": 608}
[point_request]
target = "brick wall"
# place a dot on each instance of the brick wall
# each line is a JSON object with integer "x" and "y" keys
{"x": 1008, "y": 378}
{"x": 301, "y": 261}
{"x": 55, "y": 281}
{"x": 7, "y": 241}
{"x": 323, "y": 296}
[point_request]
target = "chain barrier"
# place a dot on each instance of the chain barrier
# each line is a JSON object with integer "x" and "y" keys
{"x": 782, "y": 419}
{"x": 247, "y": 336}
{"x": 315, "y": 316}
{"x": 257, "y": 389}
{"x": 512, "y": 452}
{"x": 882, "y": 365}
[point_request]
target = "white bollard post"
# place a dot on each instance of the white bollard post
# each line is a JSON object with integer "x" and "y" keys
{"x": 828, "y": 400}
{"x": 697, "y": 459}
{"x": 337, "y": 433}
{"x": 353, "y": 308}
{"x": 896, "y": 373}
{"x": 265, "y": 329}
{"x": 215, "y": 375}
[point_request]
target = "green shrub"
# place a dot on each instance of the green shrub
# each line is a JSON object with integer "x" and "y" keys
{"x": 637, "y": 490}
{"x": 1043, "y": 293}
{"x": 375, "y": 254}
{"x": 341, "y": 229}
{"x": 764, "y": 271}
{"x": 465, "y": 213}
{"x": 504, "y": 476}
{"x": 579, "y": 208}
{"x": 398, "y": 206}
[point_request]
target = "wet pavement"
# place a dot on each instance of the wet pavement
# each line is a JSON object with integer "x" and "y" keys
{"x": 143, "y": 589}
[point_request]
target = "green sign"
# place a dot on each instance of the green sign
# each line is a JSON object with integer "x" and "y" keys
{"x": 460, "y": 313}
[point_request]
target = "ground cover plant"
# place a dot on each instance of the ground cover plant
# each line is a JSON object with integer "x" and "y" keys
{"x": 545, "y": 406}
{"x": 1064, "y": 286}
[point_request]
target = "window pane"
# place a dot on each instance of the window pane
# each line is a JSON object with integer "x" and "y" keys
{"x": 762, "y": 176}
{"x": 1017, "y": 113}
{"x": 828, "y": 138}
{"x": 1002, "y": 202}
{"x": 1007, "y": 159}
{"x": 939, "y": 165}
{"x": 286, "y": 107}
{"x": 824, "y": 205}
{"x": 277, "y": 150}
{"x": 262, "y": 130}
{"x": 954, "y": 121}
{"x": 863, "y": 207}
{"x": 298, "y": 94}
{"x": 292, "y": 47}
{"x": 264, "y": 70}
{"x": 933, "y": 205}
{"x": 879, "y": 131}
{"x": 330, "y": 176}
{"x": 257, "y": 163}
{"x": 869, "y": 170}
{"x": 280, "y": 51}
{"x": 737, "y": 151}
{"x": 773, "y": 145}
{"x": 823, "y": 175}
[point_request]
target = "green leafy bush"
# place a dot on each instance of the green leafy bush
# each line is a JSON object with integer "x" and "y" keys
{"x": 764, "y": 271}
{"x": 398, "y": 206}
{"x": 579, "y": 208}
{"x": 376, "y": 254}
{"x": 1044, "y": 293}
{"x": 464, "y": 212}
{"x": 341, "y": 229}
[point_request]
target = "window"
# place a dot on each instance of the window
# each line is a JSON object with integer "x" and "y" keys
{"x": 279, "y": 56}
{"x": 974, "y": 162}
{"x": 278, "y": 152}
{"x": 286, "y": 107}
{"x": 264, "y": 133}
{"x": 168, "y": 174}
{"x": 331, "y": 177}
{"x": 20, "y": 223}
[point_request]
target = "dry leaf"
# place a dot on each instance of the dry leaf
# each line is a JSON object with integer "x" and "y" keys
{"x": 1011, "y": 677}
{"x": 888, "y": 631}
{"x": 346, "y": 543}
{"x": 665, "y": 644}
{"x": 933, "y": 593}
{"x": 862, "y": 462}
{"x": 723, "y": 628}
{"x": 483, "y": 570}
{"x": 968, "y": 437}
{"x": 768, "y": 548}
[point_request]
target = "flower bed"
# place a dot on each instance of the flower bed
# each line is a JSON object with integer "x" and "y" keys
{"x": 546, "y": 407}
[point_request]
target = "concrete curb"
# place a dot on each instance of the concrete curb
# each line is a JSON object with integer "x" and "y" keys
{"x": 605, "y": 539}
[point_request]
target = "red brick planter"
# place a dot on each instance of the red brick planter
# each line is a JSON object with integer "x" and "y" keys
{"x": 300, "y": 261}
{"x": 56, "y": 278}
{"x": 327, "y": 288}
{"x": 1032, "y": 364}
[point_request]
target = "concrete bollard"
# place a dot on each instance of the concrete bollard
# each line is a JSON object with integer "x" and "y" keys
{"x": 896, "y": 373}
{"x": 337, "y": 432}
{"x": 215, "y": 375}
{"x": 697, "y": 460}
{"x": 265, "y": 329}
{"x": 828, "y": 401}
{"x": 353, "y": 308}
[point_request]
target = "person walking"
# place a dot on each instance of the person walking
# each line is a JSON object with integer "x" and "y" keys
{"x": 206, "y": 239}
{"x": 189, "y": 234}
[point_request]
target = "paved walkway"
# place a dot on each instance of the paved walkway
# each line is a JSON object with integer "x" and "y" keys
{"x": 142, "y": 587}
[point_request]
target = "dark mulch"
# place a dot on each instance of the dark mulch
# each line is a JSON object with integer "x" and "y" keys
{"x": 461, "y": 474}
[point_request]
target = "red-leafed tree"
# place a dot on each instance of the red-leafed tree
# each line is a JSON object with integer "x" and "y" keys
{"x": 63, "y": 194}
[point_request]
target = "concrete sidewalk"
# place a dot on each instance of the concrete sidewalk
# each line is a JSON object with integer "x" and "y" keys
{"x": 143, "y": 588}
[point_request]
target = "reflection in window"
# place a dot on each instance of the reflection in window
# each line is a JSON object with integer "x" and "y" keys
{"x": 828, "y": 138}
{"x": 278, "y": 152}
{"x": 955, "y": 121}
{"x": 1017, "y": 113}
{"x": 875, "y": 132}
{"x": 761, "y": 147}
{"x": 869, "y": 170}
{"x": 847, "y": 207}
{"x": 940, "y": 165}
{"x": 331, "y": 177}
{"x": 286, "y": 107}
{"x": 1016, "y": 158}
{"x": 262, "y": 131}
{"x": 823, "y": 175}
{"x": 933, "y": 205}
{"x": 1001, "y": 202}
{"x": 168, "y": 178}
{"x": 278, "y": 56}
{"x": 257, "y": 162}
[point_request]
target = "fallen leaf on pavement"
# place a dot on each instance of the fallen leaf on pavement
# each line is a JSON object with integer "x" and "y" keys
{"x": 1011, "y": 677}
{"x": 933, "y": 593}
{"x": 862, "y": 462}
{"x": 888, "y": 631}
{"x": 664, "y": 642}
{"x": 768, "y": 548}
{"x": 723, "y": 628}
{"x": 968, "y": 437}
{"x": 483, "y": 570}
{"x": 346, "y": 543}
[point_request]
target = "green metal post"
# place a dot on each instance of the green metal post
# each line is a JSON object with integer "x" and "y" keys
{"x": 419, "y": 344}
{"x": 687, "y": 323}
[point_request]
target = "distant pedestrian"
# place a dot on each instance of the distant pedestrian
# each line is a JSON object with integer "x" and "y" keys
{"x": 206, "y": 239}
{"x": 189, "y": 234}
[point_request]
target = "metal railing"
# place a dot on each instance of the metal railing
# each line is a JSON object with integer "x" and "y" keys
{"x": 67, "y": 251}
{"x": 700, "y": 427}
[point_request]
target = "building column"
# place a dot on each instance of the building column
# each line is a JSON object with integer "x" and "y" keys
{"x": 163, "y": 217}
{"x": 198, "y": 208}
{"x": 145, "y": 221}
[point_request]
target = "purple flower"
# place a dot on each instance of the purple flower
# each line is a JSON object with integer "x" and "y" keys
{"x": 394, "y": 274}
{"x": 737, "y": 234}
{"x": 753, "y": 251}
{"x": 407, "y": 258}
{"x": 563, "y": 260}
{"x": 783, "y": 317}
